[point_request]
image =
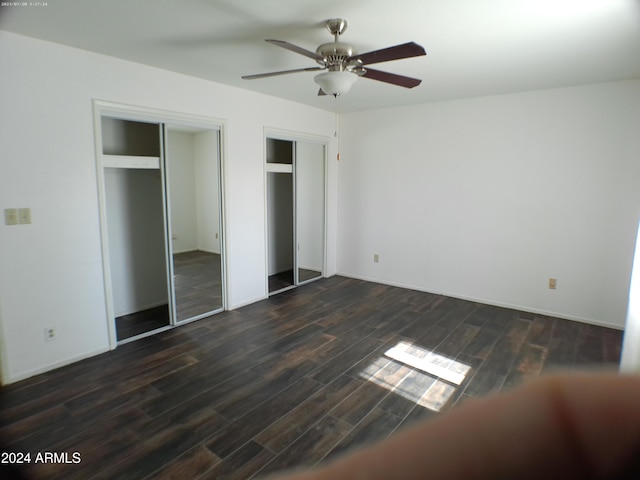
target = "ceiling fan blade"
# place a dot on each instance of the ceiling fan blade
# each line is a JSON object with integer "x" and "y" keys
{"x": 282, "y": 72}
{"x": 398, "y": 52}
{"x": 295, "y": 48}
{"x": 392, "y": 78}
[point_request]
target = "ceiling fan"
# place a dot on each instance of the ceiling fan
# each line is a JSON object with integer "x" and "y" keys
{"x": 344, "y": 65}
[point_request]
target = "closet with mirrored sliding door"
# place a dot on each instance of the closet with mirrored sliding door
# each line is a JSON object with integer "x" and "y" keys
{"x": 295, "y": 189}
{"x": 160, "y": 183}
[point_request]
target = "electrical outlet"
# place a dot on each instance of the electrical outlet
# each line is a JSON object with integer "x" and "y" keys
{"x": 552, "y": 283}
{"x": 49, "y": 334}
{"x": 376, "y": 258}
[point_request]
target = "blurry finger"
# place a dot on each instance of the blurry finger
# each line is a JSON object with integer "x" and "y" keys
{"x": 578, "y": 426}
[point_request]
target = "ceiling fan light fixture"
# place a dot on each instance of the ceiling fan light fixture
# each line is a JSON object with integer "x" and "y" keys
{"x": 335, "y": 82}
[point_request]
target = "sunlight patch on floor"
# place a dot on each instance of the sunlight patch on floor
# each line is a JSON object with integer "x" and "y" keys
{"x": 417, "y": 374}
{"x": 432, "y": 363}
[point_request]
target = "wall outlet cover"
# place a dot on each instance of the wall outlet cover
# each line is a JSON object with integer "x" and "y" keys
{"x": 49, "y": 334}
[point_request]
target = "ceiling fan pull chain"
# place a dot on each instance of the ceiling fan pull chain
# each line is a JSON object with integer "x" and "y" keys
{"x": 336, "y": 132}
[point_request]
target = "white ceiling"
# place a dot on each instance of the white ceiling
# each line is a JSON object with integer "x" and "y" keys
{"x": 474, "y": 47}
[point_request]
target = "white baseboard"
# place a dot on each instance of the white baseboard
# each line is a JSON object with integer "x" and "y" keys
{"x": 494, "y": 303}
{"x": 248, "y": 302}
{"x": 53, "y": 366}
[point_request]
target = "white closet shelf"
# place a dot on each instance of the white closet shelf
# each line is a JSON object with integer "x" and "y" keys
{"x": 129, "y": 161}
{"x": 279, "y": 168}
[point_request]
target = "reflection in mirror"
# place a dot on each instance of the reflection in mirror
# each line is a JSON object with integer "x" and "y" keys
{"x": 280, "y": 230}
{"x": 310, "y": 210}
{"x": 193, "y": 164}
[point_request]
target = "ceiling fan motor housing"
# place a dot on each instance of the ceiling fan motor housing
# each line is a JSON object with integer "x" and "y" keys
{"x": 335, "y": 54}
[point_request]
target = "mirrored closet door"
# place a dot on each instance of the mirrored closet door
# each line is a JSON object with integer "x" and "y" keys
{"x": 193, "y": 172}
{"x": 295, "y": 184}
{"x": 161, "y": 218}
{"x": 310, "y": 207}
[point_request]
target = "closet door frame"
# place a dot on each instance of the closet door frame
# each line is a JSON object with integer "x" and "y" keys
{"x": 150, "y": 115}
{"x": 294, "y": 137}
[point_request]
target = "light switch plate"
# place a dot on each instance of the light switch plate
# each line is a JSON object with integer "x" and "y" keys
{"x": 24, "y": 215}
{"x": 11, "y": 216}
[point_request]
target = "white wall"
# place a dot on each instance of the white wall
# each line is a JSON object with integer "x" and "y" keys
{"x": 280, "y": 222}
{"x": 51, "y": 270}
{"x": 192, "y": 159}
{"x": 182, "y": 192}
{"x": 136, "y": 236}
{"x": 310, "y": 160}
{"x": 487, "y": 198}
{"x": 206, "y": 158}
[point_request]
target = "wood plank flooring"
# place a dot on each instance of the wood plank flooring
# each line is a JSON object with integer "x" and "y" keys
{"x": 136, "y": 323}
{"x": 293, "y": 380}
{"x": 282, "y": 280}
{"x": 198, "y": 283}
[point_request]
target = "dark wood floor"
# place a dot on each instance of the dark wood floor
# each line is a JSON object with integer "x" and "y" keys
{"x": 292, "y": 380}
{"x": 198, "y": 283}
{"x": 136, "y": 323}
{"x": 282, "y": 280}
